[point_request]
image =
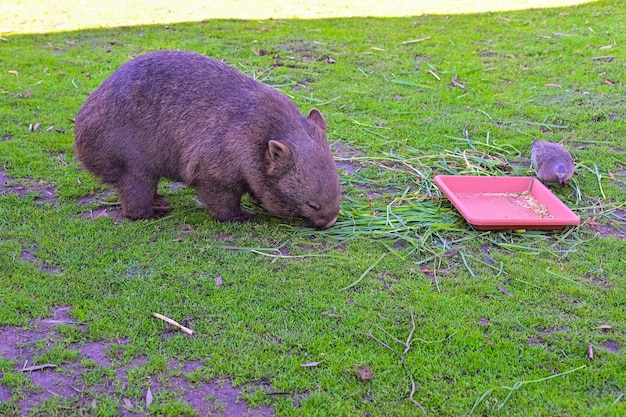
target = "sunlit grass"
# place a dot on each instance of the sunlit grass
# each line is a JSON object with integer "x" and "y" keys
{"x": 35, "y": 16}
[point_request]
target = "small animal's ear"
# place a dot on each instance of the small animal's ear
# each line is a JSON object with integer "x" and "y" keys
{"x": 316, "y": 117}
{"x": 277, "y": 158}
{"x": 277, "y": 150}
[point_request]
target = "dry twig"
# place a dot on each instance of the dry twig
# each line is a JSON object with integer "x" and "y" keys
{"x": 456, "y": 83}
{"x": 407, "y": 347}
{"x": 37, "y": 367}
{"x": 434, "y": 74}
{"x": 416, "y": 40}
{"x": 173, "y": 323}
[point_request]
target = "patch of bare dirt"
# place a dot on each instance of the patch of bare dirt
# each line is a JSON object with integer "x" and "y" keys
{"x": 348, "y": 163}
{"x": 43, "y": 193}
{"x": 105, "y": 207}
{"x": 615, "y": 225}
{"x": 112, "y": 212}
{"x": 69, "y": 380}
{"x": 93, "y": 198}
{"x": 552, "y": 329}
{"x": 600, "y": 281}
{"x": 486, "y": 251}
{"x": 31, "y": 256}
{"x": 611, "y": 346}
{"x": 535, "y": 340}
{"x": 345, "y": 157}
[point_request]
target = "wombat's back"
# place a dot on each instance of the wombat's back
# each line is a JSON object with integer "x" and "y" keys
{"x": 155, "y": 106}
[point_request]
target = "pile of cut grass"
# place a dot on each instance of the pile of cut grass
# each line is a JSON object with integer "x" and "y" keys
{"x": 405, "y": 209}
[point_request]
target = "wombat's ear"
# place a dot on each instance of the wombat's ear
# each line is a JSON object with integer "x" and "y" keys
{"x": 316, "y": 117}
{"x": 277, "y": 158}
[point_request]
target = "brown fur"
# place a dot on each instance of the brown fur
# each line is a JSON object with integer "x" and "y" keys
{"x": 187, "y": 117}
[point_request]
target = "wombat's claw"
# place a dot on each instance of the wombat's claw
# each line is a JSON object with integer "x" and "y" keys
{"x": 244, "y": 218}
{"x": 161, "y": 210}
{"x": 160, "y": 206}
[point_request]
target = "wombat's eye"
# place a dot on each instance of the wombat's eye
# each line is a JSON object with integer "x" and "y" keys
{"x": 314, "y": 206}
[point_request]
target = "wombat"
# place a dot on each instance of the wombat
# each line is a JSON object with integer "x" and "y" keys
{"x": 191, "y": 118}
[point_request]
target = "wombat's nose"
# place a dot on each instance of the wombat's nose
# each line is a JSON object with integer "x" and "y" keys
{"x": 325, "y": 225}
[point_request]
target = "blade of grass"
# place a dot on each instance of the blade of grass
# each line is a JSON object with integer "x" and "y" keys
{"x": 517, "y": 386}
{"x": 364, "y": 274}
{"x": 599, "y": 176}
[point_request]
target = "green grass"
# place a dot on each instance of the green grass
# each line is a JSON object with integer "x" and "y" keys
{"x": 290, "y": 295}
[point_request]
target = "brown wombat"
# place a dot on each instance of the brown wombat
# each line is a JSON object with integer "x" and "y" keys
{"x": 187, "y": 117}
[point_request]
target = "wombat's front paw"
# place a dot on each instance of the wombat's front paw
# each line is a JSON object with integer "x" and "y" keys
{"x": 139, "y": 215}
{"x": 243, "y": 218}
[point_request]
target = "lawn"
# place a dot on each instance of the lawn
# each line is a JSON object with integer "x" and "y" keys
{"x": 401, "y": 308}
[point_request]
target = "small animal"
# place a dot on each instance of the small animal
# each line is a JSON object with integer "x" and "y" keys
{"x": 552, "y": 162}
{"x": 187, "y": 117}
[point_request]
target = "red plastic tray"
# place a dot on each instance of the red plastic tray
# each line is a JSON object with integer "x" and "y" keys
{"x": 500, "y": 203}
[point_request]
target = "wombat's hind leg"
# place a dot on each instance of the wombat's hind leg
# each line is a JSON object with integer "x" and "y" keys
{"x": 136, "y": 196}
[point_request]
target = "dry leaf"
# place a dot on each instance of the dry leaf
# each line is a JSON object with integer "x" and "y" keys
{"x": 364, "y": 373}
{"x": 17, "y": 74}
{"x": 607, "y": 58}
{"x": 178, "y": 239}
{"x": 96, "y": 214}
{"x": 50, "y": 128}
{"x": 25, "y": 94}
{"x": 218, "y": 280}
{"x": 590, "y": 350}
{"x": 310, "y": 364}
{"x": 51, "y": 321}
{"x": 128, "y": 403}
{"x": 604, "y": 327}
{"x": 331, "y": 60}
{"x": 456, "y": 83}
{"x": 149, "y": 397}
{"x": 505, "y": 292}
{"x": 552, "y": 85}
